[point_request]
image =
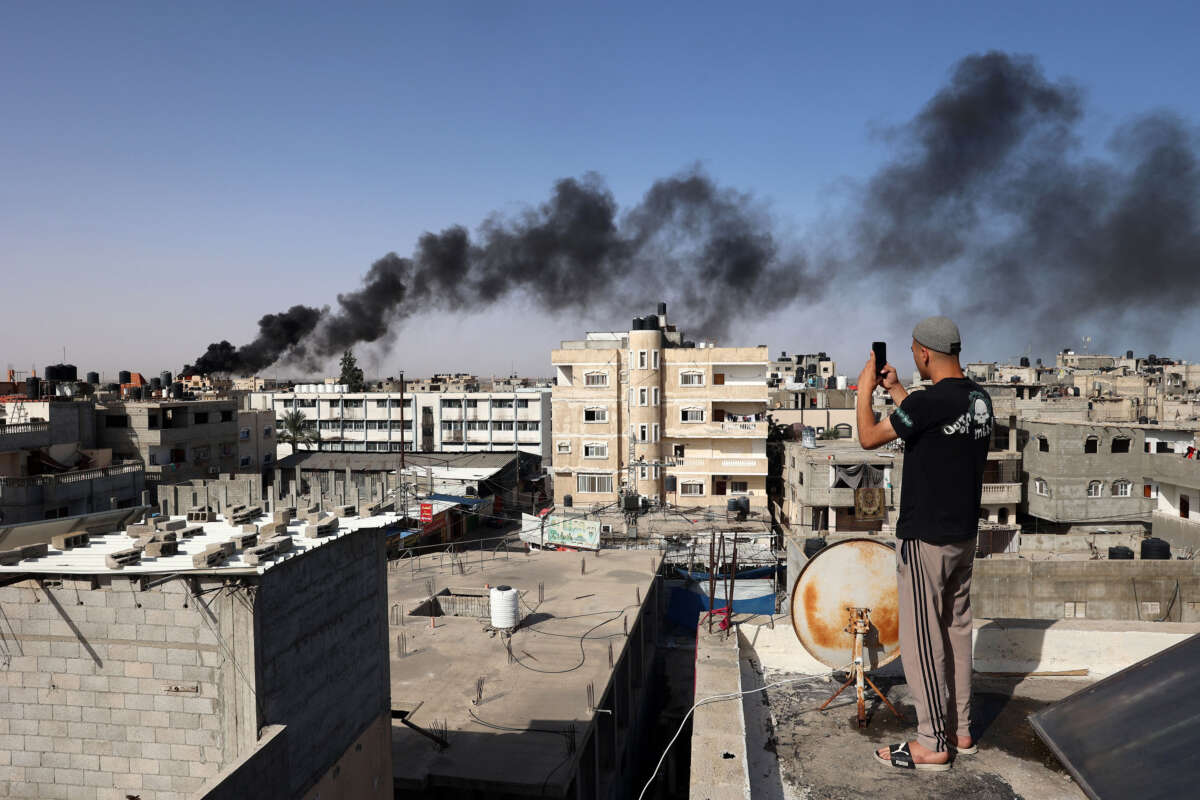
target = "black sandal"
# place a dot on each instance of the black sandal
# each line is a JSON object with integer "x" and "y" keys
{"x": 900, "y": 758}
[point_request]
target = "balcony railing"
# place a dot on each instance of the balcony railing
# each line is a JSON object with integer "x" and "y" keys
{"x": 123, "y": 468}
{"x": 25, "y": 427}
{"x": 1001, "y": 493}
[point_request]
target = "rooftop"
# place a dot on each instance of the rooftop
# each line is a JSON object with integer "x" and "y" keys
{"x": 90, "y": 559}
{"x": 516, "y": 739}
{"x": 482, "y": 461}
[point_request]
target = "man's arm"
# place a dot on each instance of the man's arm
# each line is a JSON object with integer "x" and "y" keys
{"x": 872, "y": 434}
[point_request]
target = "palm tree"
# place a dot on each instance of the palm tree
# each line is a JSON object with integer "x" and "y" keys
{"x": 295, "y": 430}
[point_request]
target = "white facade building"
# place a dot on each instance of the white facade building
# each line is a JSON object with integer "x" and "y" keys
{"x": 443, "y": 421}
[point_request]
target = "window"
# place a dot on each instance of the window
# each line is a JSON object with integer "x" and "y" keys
{"x": 590, "y": 483}
{"x": 1095, "y": 489}
{"x": 226, "y": 416}
{"x": 244, "y": 434}
{"x": 502, "y": 425}
{"x": 477, "y": 425}
{"x": 595, "y": 450}
{"x": 564, "y": 447}
{"x": 1074, "y": 610}
{"x": 1122, "y": 488}
{"x": 654, "y": 396}
{"x": 654, "y": 432}
{"x": 678, "y": 450}
{"x": 451, "y": 403}
{"x": 1185, "y": 506}
{"x": 1043, "y": 444}
{"x": 529, "y": 425}
{"x": 643, "y": 472}
{"x": 498, "y": 403}
{"x": 1090, "y": 444}
{"x": 201, "y": 453}
{"x": 268, "y": 458}
{"x": 1162, "y": 447}
{"x": 352, "y": 404}
{"x": 643, "y": 396}
{"x": 471, "y": 403}
{"x": 152, "y": 420}
{"x": 739, "y": 487}
{"x": 200, "y": 417}
{"x": 691, "y": 379}
{"x": 398, "y": 425}
{"x": 643, "y": 432}
{"x": 594, "y": 379}
{"x": 654, "y": 359}
{"x": 692, "y": 415}
{"x": 267, "y": 433}
{"x": 1041, "y": 487}
{"x": 595, "y": 415}
{"x": 522, "y": 404}
{"x": 693, "y": 488}
{"x": 244, "y": 461}
{"x": 381, "y": 403}
{"x": 641, "y": 359}
{"x": 1120, "y": 444}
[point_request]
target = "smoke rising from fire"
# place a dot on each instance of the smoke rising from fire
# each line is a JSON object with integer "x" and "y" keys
{"x": 990, "y": 202}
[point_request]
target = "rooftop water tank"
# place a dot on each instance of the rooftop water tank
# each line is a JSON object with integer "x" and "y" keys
{"x": 504, "y": 605}
{"x": 124, "y": 376}
{"x": 93, "y": 378}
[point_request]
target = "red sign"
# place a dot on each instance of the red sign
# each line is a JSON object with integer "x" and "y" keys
{"x": 426, "y": 512}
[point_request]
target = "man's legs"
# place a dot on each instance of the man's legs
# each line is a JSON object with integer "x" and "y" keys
{"x": 959, "y": 562}
{"x": 921, "y": 586}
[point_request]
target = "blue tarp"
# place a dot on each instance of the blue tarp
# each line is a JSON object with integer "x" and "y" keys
{"x": 400, "y": 533}
{"x": 758, "y": 572}
{"x": 686, "y": 603}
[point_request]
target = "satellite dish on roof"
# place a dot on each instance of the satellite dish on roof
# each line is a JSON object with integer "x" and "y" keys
{"x": 855, "y": 573}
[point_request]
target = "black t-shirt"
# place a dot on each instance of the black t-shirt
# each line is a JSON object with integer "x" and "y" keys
{"x": 946, "y": 431}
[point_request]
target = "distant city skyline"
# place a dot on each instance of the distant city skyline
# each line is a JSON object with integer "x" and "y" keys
{"x": 172, "y": 176}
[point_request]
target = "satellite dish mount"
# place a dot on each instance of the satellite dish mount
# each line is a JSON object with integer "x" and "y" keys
{"x": 859, "y": 626}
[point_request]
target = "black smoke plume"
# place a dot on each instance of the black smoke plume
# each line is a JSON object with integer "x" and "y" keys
{"x": 571, "y": 252}
{"x": 991, "y": 209}
{"x": 994, "y": 201}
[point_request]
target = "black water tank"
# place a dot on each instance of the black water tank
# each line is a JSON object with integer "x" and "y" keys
{"x": 156, "y": 383}
{"x": 650, "y": 323}
{"x": 732, "y": 505}
{"x": 177, "y": 390}
{"x": 813, "y": 546}
{"x": 689, "y": 344}
{"x": 1153, "y": 359}
{"x": 744, "y": 504}
{"x": 568, "y": 501}
{"x": 166, "y": 378}
{"x": 662, "y": 309}
{"x": 670, "y": 483}
{"x": 61, "y": 372}
{"x": 1024, "y": 361}
{"x": 124, "y": 376}
{"x": 33, "y": 387}
{"x": 1143, "y": 420}
{"x": 631, "y": 502}
{"x": 136, "y": 393}
{"x": 1120, "y": 553}
{"x": 93, "y": 378}
{"x": 1156, "y": 549}
{"x": 1129, "y": 354}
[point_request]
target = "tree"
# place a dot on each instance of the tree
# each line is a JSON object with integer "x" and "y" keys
{"x": 295, "y": 430}
{"x": 352, "y": 376}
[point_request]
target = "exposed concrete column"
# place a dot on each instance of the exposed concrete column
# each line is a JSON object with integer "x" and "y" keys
{"x": 1012, "y": 433}
{"x": 832, "y": 519}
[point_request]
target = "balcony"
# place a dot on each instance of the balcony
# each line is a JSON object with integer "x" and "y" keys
{"x": 25, "y": 427}
{"x": 61, "y": 478}
{"x": 1001, "y": 493}
{"x": 707, "y": 430}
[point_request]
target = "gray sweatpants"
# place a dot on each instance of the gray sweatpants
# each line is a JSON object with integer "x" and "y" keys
{"x": 935, "y": 635}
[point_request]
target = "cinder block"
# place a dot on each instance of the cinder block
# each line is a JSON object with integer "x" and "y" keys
{"x": 190, "y": 531}
{"x": 164, "y": 524}
{"x": 245, "y": 540}
{"x": 123, "y": 558}
{"x": 161, "y": 549}
{"x": 69, "y": 541}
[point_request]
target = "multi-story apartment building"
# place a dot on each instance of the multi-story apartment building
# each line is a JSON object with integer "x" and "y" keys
{"x": 808, "y": 369}
{"x": 177, "y": 440}
{"x": 50, "y": 466}
{"x": 380, "y": 422}
{"x": 256, "y": 439}
{"x": 1088, "y": 477}
{"x": 645, "y": 412}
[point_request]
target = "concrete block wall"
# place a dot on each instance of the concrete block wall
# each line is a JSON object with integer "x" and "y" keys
{"x": 322, "y": 651}
{"x": 262, "y": 774}
{"x": 108, "y": 691}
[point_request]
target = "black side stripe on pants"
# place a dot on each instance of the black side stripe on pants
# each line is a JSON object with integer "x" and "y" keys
{"x": 927, "y": 662}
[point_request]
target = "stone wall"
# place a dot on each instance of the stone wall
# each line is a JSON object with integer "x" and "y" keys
{"x": 106, "y": 690}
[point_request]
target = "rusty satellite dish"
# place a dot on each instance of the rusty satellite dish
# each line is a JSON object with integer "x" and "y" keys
{"x": 850, "y": 574}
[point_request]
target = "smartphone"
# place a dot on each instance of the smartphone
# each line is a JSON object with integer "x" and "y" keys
{"x": 880, "y": 349}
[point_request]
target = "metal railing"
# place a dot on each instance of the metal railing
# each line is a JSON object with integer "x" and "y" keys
{"x": 25, "y": 427}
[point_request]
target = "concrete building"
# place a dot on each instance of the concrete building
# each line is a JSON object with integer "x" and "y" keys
{"x": 177, "y": 440}
{"x": 565, "y": 705}
{"x": 256, "y": 440}
{"x": 445, "y": 421}
{"x": 645, "y": 412}
{"x": 253, "y": 671}
{"x": 51, "y": 466}
{"x": 808, "y": 369}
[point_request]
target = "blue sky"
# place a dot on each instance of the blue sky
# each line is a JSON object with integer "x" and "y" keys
{"x": 168, "y": 174}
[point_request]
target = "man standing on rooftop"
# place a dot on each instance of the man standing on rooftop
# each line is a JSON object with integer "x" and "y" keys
{"x": 946, "y": 430}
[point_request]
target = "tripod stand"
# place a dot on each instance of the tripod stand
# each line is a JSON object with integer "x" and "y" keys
{"x": 860, "y": 626}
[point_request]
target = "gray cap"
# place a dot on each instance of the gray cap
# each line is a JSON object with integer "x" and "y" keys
{"x": 940, "y": 334}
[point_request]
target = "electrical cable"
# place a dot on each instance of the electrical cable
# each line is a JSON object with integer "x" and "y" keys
{"x": 730, "y": 696}
{"x": 582, "y": 650}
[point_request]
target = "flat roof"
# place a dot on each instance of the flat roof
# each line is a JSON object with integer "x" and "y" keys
{"x": 563, "y": 641}
{"x": 90, "y": 559}
{"x": 380, "y": 462}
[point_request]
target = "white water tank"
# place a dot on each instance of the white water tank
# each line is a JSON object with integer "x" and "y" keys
{"x": 841, "y": 381}
{"x": 505, "y": 607}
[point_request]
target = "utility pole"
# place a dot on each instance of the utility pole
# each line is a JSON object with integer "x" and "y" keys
{"x": 402, "y": 423}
